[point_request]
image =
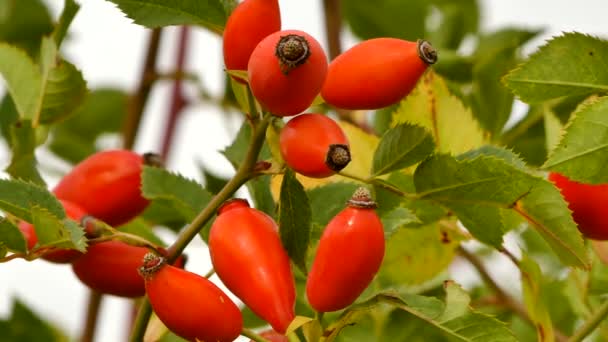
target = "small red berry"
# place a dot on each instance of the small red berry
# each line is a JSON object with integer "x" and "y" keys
{"x": 59, "y": 256}
{"x": 107, "y": 185}
{"x": 376, "y": 73}
{"x": 314, "y": 145}
{"x": 248, "y": 256}
{"x": 588, "y": 205}
{"x": 189, "y": 305}
{"x": 249, "y": 23}
{"x": 349, "y": 254}
{"x": 286, "y": 71}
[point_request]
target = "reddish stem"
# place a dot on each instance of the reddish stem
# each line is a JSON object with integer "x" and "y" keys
{"x": 178, "y": 102}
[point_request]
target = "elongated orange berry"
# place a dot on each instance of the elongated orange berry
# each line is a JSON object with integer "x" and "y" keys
{"x": 376, "y": 73}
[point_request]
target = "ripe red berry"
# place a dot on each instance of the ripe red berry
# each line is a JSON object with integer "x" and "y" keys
{"x": 189, "y": 305}
{"x": 112, "y": 268}
{"x": 249, "y": 23}
{"x": 248, "y": 256}
{"x": 349, "y": 254}
{"x": 376, "y": 73}
{"x": 314, "y": 145}
{"x": 273, "y": 336}
{"x": 286, "y": 71}
{"x": 60, "y": 256}
{"x": 588, "y": 205}
{"x": 107, "y": 185}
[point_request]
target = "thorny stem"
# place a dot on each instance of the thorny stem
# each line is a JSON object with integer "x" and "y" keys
{"x": 243, "y": 174}
{"x": 592, "y": 323}
{"x": 93, "y": 306}
{"x": 501, "y": 295}
{"x": 252, "y": 336}
{"x": 178, "y": 102}
{"x": 138, "y": 100}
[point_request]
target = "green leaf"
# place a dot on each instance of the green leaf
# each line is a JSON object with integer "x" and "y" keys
{"x": 328, "y": 200}
{"x": 414, "y": 256}
{"x": 213, "y": 182}
{"x": 548, "y": 213}
{"x": 23, "y": 159}
{"x": 64, "y": 91}
{"x": 401, "y": 146}
{"x": 11, "y": 237}
{"x": 431, "y": 106}
{"x": 387, "y": 18}
{"x": 22, "y": 79}
{"x": 185, "y": 196}
{"x": 528, "y": 137}
{"x": 453, "y": 319}
{"x": 53, "y": 231}
{"x": 294, "y": 219}
{"x": 504, "y": 39}
{"x": 571, "y": 64}
{"x": 24, "y": 325}
{"x": 236, "y": 152}
{"x": 70, "y": 9}
{"x": 531, "y": 283}
{"x": 18, "y": 198}
{"x": 397, "y": 218}
{"x": 474, "y": 189}
{"x": 102, "y": 111}
{"x": 23, "y": 23}
{"x": 259, "y": 189}
{"x": 158, "y": 13}
{"x": 510, "y": 157}
{"x": 139, "y": 227}
{"x": 582, "y": 152}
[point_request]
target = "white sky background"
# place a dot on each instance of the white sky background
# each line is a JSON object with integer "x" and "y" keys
{"x": 109, "y": 49}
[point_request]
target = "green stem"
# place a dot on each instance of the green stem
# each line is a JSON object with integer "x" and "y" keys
{"x": 243, "y": 174}
{"x": 93, "y": 307}
{"x": 379, "y": 183}
{"x": 253, "y": 336}
{"x": 591, "y": 323}
{"x": 210, "y": 273}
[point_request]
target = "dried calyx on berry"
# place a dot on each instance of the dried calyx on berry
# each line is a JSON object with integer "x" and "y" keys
{"x": 153, "y": 159}
{"x": 152, "y": 263}
{"x": 362, "y": 198}
{"x": 427, "y": 52}
{"x": 292, "y": 50}
{"x": 338, "y": 157}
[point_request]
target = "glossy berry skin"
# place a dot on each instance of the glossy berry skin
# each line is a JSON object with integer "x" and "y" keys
{"x": 112, "y": 268}
{"x": 273, "y": 336}
{"x": 349, "y": 254}
{"x": 250, "y": 22}
{"x": 373, "y": 74}
{"x": 306, "y": 141}
{"x": 588, "y": 204}
{"x": 281, "y": 90}
{"x": 106, "y": 185}
{"x": 193, "y": 307}
{"x": 248, "y": 256}
{"x": 59, "y": 256}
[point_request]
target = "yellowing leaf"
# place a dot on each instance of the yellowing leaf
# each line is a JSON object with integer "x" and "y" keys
{"x": 432, "y": 106}
{"x": 362, "y": 146}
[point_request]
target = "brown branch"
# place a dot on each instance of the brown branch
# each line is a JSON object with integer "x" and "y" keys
{"x": 333, "y": 27}
{"x": 93, "y": 308}
{"x": 138, "y": 100}
{"x": 178, "y": 101}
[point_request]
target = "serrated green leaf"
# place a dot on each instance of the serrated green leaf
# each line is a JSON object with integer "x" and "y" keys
{"x": 162, "y": 212}
{"x": 294, "y": 219}
{"x": 23, "y": 23}
{"x": 454, "y": 67}
{"x": 571, "y": 64}
{"x": 213, "y": 182}
{"x": 401, "y": 146}
{"x": 431, "y": 106}
{"x": 236, "y": 152}
{"x": 53, "y": 231}
{"x": 582, "y": 152}
{"x": 64, "y": 90}
{"x": 527, "y": 138}
{"x": 70, "y": 9}
{"x": 8, "y": 117}
{"x": 531, "y": 283}
{"x": 548, "y": 213}
{"x": 259, "y": 189}
{"x": 474, "y": 189}
{"x": 397, "y": 218}
{"x": 510, "y": 157}
{"x": 328, "y": 200}
{"x": 505, "y": 38}
{"x": 157, "y": 13}
{"x": 102, "y": 111}
{"x": 186, "y": 196}
{"x": 18, "y": 198}
{"x": 414, "y": 256}
{"x": 22, "y": 78}
{"x": 23, "y": 160}
{"x": 11, "y": 237}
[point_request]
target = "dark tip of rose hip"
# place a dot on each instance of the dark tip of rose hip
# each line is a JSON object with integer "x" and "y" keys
{"x": 153, "y": 159}
{"x": 362, "y": 198}
{"x": 151, "y": 264}
{"x": 91, "y": 226}
{"x": 231, "y": 204}
{"x": 338, "y": 156}
{"x": 292, "y": 50}
{"x": 427, "y": 52}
